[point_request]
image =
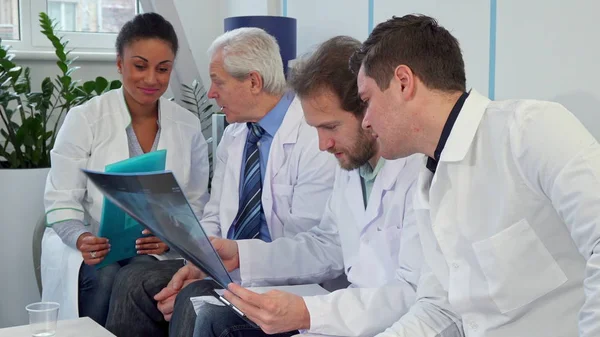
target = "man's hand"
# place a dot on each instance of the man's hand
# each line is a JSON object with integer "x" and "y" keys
{"x": 275, "y": 311}
{"x": 166, "y": 297}
{"x": 167, "y": 305}
{"x": 228, "y": 251}
{"x": 150, "y": 245}
{"x": 93, "y": 249}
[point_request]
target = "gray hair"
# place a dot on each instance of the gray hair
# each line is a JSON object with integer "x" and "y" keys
{"x": 251, "y": 49}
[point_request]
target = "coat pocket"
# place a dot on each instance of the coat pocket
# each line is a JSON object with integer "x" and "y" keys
{"x": 282, "y": 195}
{"x": 517, "y": 266}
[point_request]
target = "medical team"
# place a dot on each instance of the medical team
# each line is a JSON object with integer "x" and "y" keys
{"x": 447, "y": 213}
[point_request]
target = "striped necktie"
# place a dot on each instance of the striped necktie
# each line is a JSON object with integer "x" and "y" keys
{"x": 247, "y": 222}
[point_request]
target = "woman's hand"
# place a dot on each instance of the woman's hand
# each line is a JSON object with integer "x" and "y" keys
{"x": 92, "y": 248}
{"x": 150, "y": 245}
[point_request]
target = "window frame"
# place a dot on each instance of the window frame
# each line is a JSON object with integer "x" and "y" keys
{"x": 18, "y": 22}
{"x": 79, "y": 40}
{"x": 34, "y": 45}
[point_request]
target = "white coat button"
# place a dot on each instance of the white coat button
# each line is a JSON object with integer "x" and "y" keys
{"x": 455, "y": 265}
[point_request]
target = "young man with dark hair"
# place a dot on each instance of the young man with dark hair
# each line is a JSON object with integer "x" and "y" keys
{"x": 507, "y": 202}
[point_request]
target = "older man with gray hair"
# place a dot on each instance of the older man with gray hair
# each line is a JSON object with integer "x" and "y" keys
{"x": 270, "y": 181}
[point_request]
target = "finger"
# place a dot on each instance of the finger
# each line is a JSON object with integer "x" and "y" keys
{"x": 186, "y": 282}
{"x": 91, "y": 262}
{"x": 150, "y": 246}
{"x": 94, "y": 240}
{"x": 165, "y": 293}
{"x": 150, "y": 251}
{"x": 94, "y": 248}
{"x": 253, "y": 312}
{"x": 146, "y": 232}
{"x": 179, "y": 278}
{"x": 166, "y": 307}
{"x": 99, "y": 254}
{"x": 217, "y": 244}
{"x": 96, "y": 254}
{"x": 150, "y": 239}
{"x": 247, "y": 295}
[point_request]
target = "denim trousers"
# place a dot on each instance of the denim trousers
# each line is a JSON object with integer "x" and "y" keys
{"x": 133, "y": 311}
{"x": 95, "y": 287}
{"x": 213, "y": 320}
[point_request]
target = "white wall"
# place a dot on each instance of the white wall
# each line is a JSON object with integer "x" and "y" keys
{"x": 202, "y": 22}
{"x": 548, "y": 49}
{"x": 246, "y": 7}
{"x": 320, "y": 20}
{"x": 545, "y": 49}
{"x": 471, "y": 29}
{"x": 89, "y": 70}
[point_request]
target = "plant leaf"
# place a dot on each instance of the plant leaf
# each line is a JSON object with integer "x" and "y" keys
{"x": 28, "y": 140}
{"x": 101, "y": 84}
{"x": 65, "y": 81}
{"x": 6, "y": 64}
{"x": 71, "y": 70}
{"x": 116, "y": 84}
{"x": 63, "y": 67}
{"x": 189, "y": 102}
{"x": 15, "y": 72}
{"x": 89, "y": 86}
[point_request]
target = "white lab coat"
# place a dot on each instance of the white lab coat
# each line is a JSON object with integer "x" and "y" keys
{"x": 378, "y": 248}
{"x": 92, "y": 136}
{"x": 510, "y": 225}
{"x": 298, "y": 178}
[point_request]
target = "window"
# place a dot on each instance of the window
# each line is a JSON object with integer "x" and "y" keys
{"x": 90, "y": 26}
{"x": 9, "y": 20}
{"x": 92, "y": 16}
{"x": 87, "y": 24}
{"x": 64, "y": 13}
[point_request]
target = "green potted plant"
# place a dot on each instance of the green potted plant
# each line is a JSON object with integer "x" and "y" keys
{"x": 29, "y": 121}
{"x": 195, "y": 97}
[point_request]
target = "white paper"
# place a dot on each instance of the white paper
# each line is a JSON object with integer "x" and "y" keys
{"x": 300, "y": 290}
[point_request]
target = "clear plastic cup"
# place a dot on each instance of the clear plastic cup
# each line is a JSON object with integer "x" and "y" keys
{"x": 42, "y": 318}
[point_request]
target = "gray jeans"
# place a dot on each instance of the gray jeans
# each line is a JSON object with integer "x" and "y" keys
{"x": 133, "y": 310}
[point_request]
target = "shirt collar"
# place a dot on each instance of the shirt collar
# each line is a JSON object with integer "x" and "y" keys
{"x": 273, "y": 119}
{"x": 433, "y": 162}
{"x": 368, "y": 173}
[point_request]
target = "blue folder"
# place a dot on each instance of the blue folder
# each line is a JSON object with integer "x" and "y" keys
{"x": 119, "y": 228}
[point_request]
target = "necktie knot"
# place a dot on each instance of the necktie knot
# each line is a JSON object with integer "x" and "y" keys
{"x": 255, "y": 132}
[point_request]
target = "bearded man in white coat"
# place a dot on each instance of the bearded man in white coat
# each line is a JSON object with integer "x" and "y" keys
{"x": 270, "y": 179}
{"x": 507, "y": 201}
{"x": 368, "y": 230}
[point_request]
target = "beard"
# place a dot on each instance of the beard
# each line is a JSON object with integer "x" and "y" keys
{"x": 363, "y": 149}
